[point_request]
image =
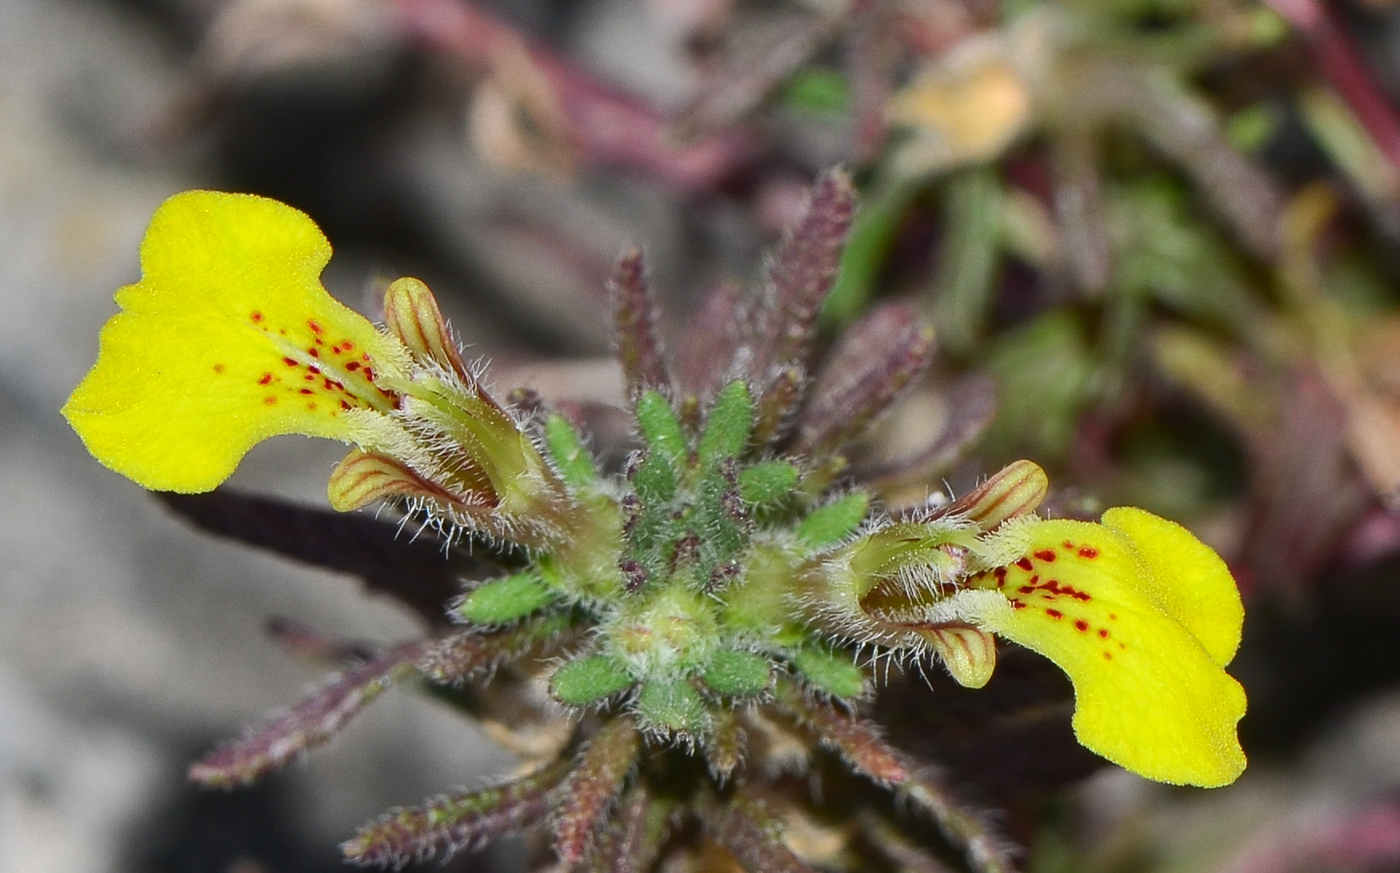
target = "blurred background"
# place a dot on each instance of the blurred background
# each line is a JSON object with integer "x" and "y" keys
{"x": 1159, "y": 240}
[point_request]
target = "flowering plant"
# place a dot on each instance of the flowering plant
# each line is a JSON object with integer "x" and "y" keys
{"x": 703, "y": 619}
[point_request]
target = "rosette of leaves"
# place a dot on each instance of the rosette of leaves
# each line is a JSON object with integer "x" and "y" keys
{"x": 678, "y": 723}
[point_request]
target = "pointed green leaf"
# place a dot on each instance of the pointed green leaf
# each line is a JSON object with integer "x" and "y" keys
{"x": 835, "y": 521}
{"x": 672, "y": 708}
{"x": 738, "y": 674}
{"x": 660, "y": 428}
{"x": 655, "y": 480}
{"x": 834, "y": 673}
{"x": 767, "y": 483}
{"x": 504, "y": 600}
{"x": 727, "y": 429}
{"x": 589, "y": 680}
{"x": 570, "y": 455}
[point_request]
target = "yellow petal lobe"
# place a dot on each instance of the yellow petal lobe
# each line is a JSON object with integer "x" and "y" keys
{"x": 228, "y": 339}
{"x": 1189, "y": 580}
{"x": 1124, "y": 608}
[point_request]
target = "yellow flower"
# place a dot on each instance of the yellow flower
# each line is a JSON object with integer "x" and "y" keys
{"x": 1140, "y": 614}
{"x": 1143, "y": 617}
{"x": 228, "y": 339}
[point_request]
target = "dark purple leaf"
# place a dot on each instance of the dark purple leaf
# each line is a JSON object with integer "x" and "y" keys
{"x": 876, "y": 361}
{"x": 634, "y": 841}
{"x": 595, "y": 783}
{"x": 784, "y": 318}
{"x": 860, "y": 743}
{"x": 415, "y": 570}
{"x": 449, "y": 824}
{"x": 745, "y": 826}
{"x": 639, "y": 347}
{"x": 310, "y": 723}
{"x": 972, "y": 405}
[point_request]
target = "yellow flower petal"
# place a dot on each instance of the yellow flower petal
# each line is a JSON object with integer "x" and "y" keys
{"x": 1142, "y": 617}
{"x": 228, "y": 339}
{"x": 1189, "y": 580}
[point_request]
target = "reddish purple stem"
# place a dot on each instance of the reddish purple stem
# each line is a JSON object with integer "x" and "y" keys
{"x": 610, "y": 129}
{"x": 1341, "y": 64}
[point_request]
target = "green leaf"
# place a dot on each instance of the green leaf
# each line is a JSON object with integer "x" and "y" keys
{"x": 767, "y": 483}
{"x": 570, "y": 455}
{"x": 818, "y": 91}
{"x": 835, "y": 521}
{"x": 661, "y": 429}
{"x": 655, "y": 479}
{"x": 579, "y": 683}
{"x": 504, "y": 600}
{"x": 738, "y": 674}
{"x": 834, "y": 673}
{"x": 727, "y": 430}
{"x": 672, "y": 708}
{"x": 719, "y": 519}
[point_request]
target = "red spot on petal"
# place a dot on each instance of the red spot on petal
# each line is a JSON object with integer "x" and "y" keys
{"x": 315, "y": 371}
{"x": 1026, "y": 589}
{"x": 1025, "y": 564}
{"x": 256, "y": 315}
{"x": 314, "y": 352}
{"x": 1081, "y": 625}
{"x": 1103, "y": 633}
{"x": 308, "y": 378}
{"x": 315, "y": 327}
{"x": 1016, "y": 604}
{"x": 1113, "y": 616}
{"x": 269, "y": 400}
{"x": 290, "y": 362}
{"x": 1107, "y": 656}
{"x": 1046, "y": 555}
{"x": 1089, "y": 552}
{"x": 311, "y": 407}
{"x": 1069, "y": 546}
{"x": 347, "y": 345}
{"x": 218, "y": 368}
{"x": 307, "y": 391}
{"x": 344, "y": 405}
{"x": 266, "y": 379}
{"x": 1054, "y": 613}
{"x": 353, "y": 366}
